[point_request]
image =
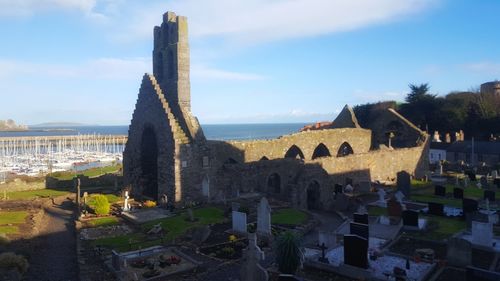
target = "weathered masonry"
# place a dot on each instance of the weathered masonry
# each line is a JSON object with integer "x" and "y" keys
{"x": 167, "y": 153}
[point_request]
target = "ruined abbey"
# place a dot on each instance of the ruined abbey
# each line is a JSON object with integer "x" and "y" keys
{"x": 167, "y": 152}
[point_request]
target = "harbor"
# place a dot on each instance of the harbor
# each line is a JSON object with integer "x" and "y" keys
{"x": 39, "y": 155}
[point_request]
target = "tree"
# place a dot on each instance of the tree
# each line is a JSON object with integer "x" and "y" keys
{"x": 288, "y": 254}
{"x": 418, "y": 93}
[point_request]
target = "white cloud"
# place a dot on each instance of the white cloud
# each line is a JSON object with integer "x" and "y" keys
{"x": 483, "y": 67}
{"x": 254, "y": 21}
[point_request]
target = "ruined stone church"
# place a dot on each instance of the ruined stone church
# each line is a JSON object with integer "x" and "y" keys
{"x": 167, "y": 152}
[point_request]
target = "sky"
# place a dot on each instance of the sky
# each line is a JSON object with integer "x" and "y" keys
{"x": 252, "y": 61}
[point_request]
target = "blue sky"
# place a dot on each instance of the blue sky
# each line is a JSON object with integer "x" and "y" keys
{"x": 252, "y": 61}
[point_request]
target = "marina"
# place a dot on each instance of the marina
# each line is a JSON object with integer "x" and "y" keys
{"x": 34, "y": 156}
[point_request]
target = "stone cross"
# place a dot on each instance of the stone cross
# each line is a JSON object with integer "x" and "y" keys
{"x": 251, "y": 270}
{"x": 264, "y": 217}
{"x": 322, "y": 258}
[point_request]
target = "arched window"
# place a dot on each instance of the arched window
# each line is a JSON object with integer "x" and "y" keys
{"x": 294, "y": 152}
{"x": 344, "y": 150}
{"x": 274, "y": 183}
{"x": 320, "y": 151}
{"x": 264, "y": 158}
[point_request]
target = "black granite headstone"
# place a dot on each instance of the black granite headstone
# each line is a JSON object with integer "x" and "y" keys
{"x": 359, "y": 229}
{"x": 469, "y": 205}
{"x": 356, "y": 251}
{"x": 439, "y": 190}
{"x": 360, "y": 218}
{"x": 496, "y": 182}
{"x": 339, "y": 188}
{"x": 478, "y": 274}
{"x": 410, "y": 218}
{"x": 403, "y": 181}
{"x": 471, "y": 175}
{"x": 436, "y": 209}
{"x": 458, "y": 193}
{"x": 489, "y": 194}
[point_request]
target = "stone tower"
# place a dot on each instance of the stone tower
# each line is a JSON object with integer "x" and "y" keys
{"x": 171, "y": 59}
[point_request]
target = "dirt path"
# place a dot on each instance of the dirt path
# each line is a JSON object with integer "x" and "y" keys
{"x": 53, "y": 256}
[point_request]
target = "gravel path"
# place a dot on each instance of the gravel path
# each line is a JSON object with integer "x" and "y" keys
{"x": 53, "y": 255}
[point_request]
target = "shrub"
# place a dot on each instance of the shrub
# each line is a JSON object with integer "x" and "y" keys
{"x": 149, "y": 204}
{"x": 288, "y": 255}
{"x": 102, "y": 205}
{"x": 10, "y": 261}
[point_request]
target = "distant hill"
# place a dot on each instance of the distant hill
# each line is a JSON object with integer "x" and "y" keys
{"x": 10, "y": 125}
{"x": 59, "y": 124}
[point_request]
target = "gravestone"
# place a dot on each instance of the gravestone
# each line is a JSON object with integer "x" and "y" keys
{"x": 126, "y": 205}
{"x": 239, "y": 222}
{"x": 482, "y": 233}
{"x": 404, "y": 183}
{"x": 359, "y": 229}
{"x": 365, "y": 186}
{"x": 323, "y": 258}
{"x": 360, "y": 218}
{"x": 472, "y": 176}
{"x": 439, "y": 190}
{"x": 466, "y": 182}
{"x": 399, "y": 196}
{"x": 490, "y": 195}
{"x": 190, "y": 215}
{"x": 116, "y": 261}
{"x": 381, "y": 197}
{"x": 494, "y": 174}
{"x": 410, "y": 218}
{"x": 327, "y": 238}
{"x": 342, "y": 202}
{"x": 235, "y": 206}
{"x": 478, "y": 274}
{"x": 264, "y": 217}
{"x": 356, "y": 251}
{"x": 458, "y": 193}
{"x": 457, "y": 181}
{"x": 436, "y": 209}
{"x": 484, "y": 181}
{"x": 394, "y": 208}
{"x": 339, "y": 188}
{"x": 459, "y": 252}
{"x": 440, "y": 168}
{"x": 469, "y": 205}
{"x": 497, "y": 182}
{"x": 251, "y": 270}
{"x": 384, "y": 220}
{"x": 200, "y": 234}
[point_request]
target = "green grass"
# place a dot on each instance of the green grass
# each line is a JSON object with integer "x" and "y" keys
{"x": 94, "y": 172}
{"x": 32, "y": 194}
{"x": 105, "y": 221}
{"x": 9, "y": 229}
{"x": 13, "y": 217}
{"x": 175, "y": 227}
{"x": 377, "y": 211}
{"x": 446, "y": 227}
{"x": 289, "y": 216}
{"x": 420, "y": 184}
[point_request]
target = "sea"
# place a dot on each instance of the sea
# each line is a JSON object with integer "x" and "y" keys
{"x": 212, "y": 131}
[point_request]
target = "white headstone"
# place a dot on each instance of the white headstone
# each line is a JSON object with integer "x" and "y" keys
{"x": 329, "y": 238}
{"x": 251, "y": 270}
{"x": 384, "y": 220}
{"x": 239, "y": 222}
{"x": 466, "y": 182}
{"x": 440, "y": 168}
{"x": 264, "y": 217}
{"x": 482, "y": 233}
{"x": 494, "y": 174}
{"x": 381, "y": 197}
{"x": 126, "y": 205}
{"x": 348, "y": 188}
{"x": 399, "y": 196}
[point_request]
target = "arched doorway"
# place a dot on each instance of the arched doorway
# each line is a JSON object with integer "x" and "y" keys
{"x": 274, "y": 183}
{"x": 320, "y": 151}
{"x": 313, "y": 196}
{"x": 294, "y": 152}
{"x": 344, "y": 150}
{"x": 149, "y": 163}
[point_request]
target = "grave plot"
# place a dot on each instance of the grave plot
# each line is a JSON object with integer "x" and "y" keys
{"x": 408, "y": 246}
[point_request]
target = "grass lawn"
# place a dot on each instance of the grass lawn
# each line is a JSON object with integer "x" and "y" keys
{"x": 13, "y": 218}
{"x": 420, "y": 184}
{"x": 31, "y": 194}
{"x": 105, "y": 221}
{"x": 445, "y": 228}
{"x": 175, "y": 227}
{"x": 289, "y": 216}
{"x": 94, "y": 172}
{"x": 377, "y": 211}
